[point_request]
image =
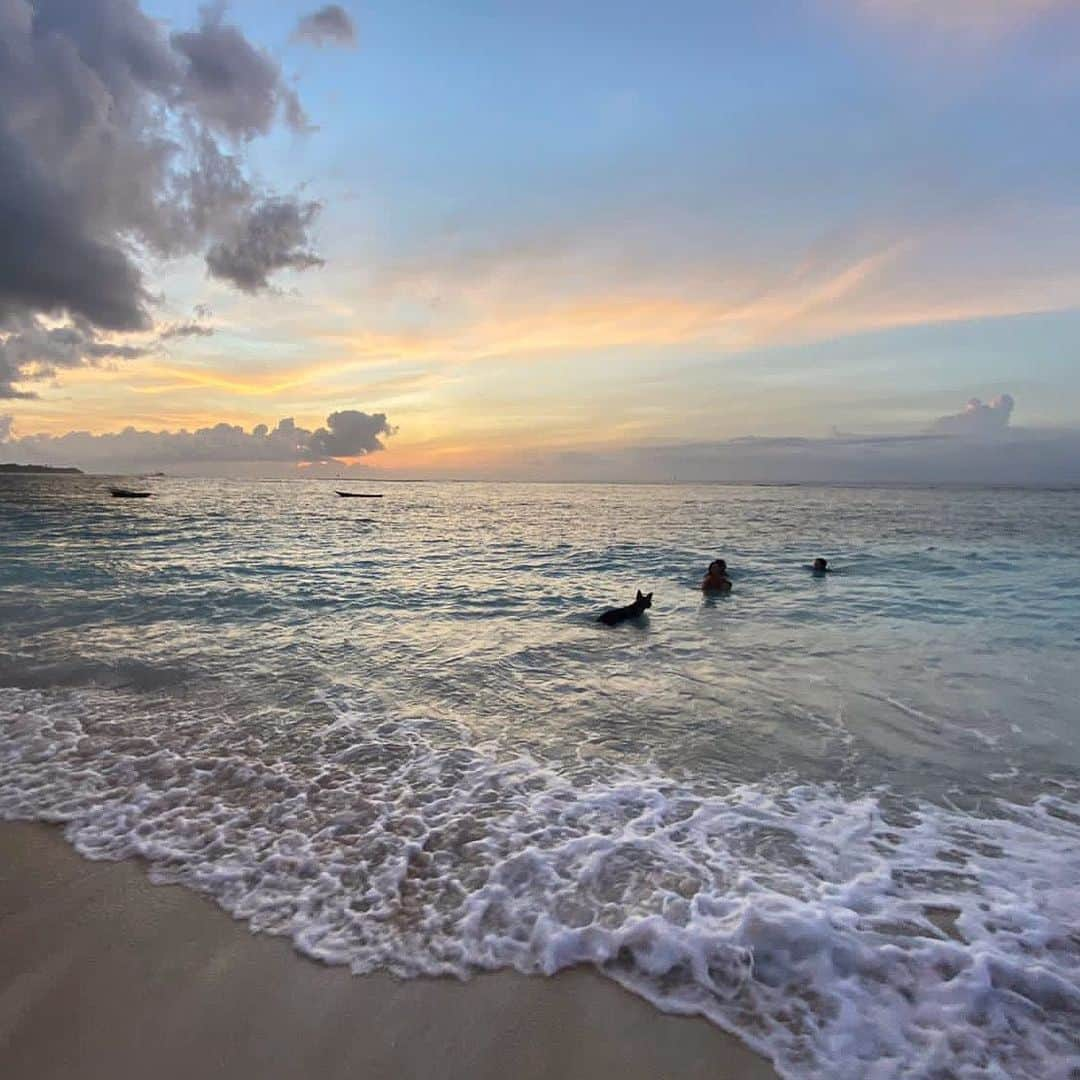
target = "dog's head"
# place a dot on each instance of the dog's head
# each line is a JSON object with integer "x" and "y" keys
{"x": 644, "y": 600}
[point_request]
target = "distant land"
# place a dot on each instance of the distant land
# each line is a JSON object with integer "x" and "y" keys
{"x": 10, "y": 468}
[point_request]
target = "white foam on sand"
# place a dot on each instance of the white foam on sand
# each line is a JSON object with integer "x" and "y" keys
{"x": 842, "y": 936}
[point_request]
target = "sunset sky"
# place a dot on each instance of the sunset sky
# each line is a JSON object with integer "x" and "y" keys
{"x": 556, "y": 235}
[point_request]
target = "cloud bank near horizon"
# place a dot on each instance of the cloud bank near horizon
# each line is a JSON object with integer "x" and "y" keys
{"x": 975, "y": 445}
{"x": 122, "y": 144}
{"x": 1026, "y": 457}
{"x": 348, "y": 433}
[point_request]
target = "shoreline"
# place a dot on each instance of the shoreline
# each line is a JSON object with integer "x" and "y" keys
{"x": 106, "y": 975}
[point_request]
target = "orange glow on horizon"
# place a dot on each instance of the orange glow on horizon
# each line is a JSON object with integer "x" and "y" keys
{"x": 426, "y": 381}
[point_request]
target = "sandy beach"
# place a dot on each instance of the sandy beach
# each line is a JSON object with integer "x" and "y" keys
{"x": 105, "y": 975}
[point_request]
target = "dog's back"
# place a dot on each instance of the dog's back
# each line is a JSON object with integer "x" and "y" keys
{"x": 616, "y": 615}
{"x": 630, "y": 611}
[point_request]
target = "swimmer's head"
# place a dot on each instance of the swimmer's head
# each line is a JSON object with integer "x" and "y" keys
{"x": 718, "y": 566}
{"x": 821, "y": 565}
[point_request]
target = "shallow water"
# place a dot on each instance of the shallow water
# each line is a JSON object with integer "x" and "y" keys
{"x": 838, "y": 815}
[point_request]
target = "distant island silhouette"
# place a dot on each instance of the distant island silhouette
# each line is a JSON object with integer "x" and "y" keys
{"x": 10, "y": 467}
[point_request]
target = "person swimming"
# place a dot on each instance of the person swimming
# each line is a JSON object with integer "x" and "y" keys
{"x": 821, "y": 566}
{"x": 716, "y": 579}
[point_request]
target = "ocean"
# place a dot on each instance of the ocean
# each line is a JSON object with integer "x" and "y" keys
{"x": 838, "y": 816}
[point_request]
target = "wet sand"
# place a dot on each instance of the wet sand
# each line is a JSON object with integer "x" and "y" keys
{"x": 104, "y": 975}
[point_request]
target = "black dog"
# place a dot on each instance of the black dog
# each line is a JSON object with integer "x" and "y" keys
{"x": 631, "y": 611}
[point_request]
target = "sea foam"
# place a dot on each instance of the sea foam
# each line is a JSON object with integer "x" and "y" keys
{"x": 844, "y": 935}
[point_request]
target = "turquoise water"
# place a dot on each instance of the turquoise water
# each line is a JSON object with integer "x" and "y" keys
{"x": 392, "y": 730}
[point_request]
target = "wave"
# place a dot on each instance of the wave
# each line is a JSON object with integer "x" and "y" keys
{"x": 843, "y": 935}
{"x": 76, "y": 671}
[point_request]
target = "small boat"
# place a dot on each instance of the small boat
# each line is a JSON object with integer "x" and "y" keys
{"x": 127, "y": 493}
{"x": 357, "y": 495}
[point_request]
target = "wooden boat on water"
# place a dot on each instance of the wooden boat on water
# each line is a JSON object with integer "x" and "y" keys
{"x": 127, "y": 493}
{"x": 358, "y": 495}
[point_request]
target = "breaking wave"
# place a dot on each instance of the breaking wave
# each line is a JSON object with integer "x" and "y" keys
{"x": 842, "y": 934}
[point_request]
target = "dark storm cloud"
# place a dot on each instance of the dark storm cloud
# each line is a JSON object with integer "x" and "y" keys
{"x": 185, "y": 330}
{"x": 330, "y": 25}
{"x": 234, "y": 86}
{"x": 270, "y": 238}
{"x": 49, "y": 261}
{"x": 29, "y": 349}
{"x": 349, "y": 433}
{"x": 119, "y": 142}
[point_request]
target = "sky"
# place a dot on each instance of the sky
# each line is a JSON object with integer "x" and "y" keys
{"x": 801, "y": 240}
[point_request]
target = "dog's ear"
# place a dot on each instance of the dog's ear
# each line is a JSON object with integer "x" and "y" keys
{"x": 648, "y": 596}
{"x": 639, "y": 595}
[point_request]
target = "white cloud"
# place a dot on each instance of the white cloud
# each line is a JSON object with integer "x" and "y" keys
{"x": 977, "y": 418}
